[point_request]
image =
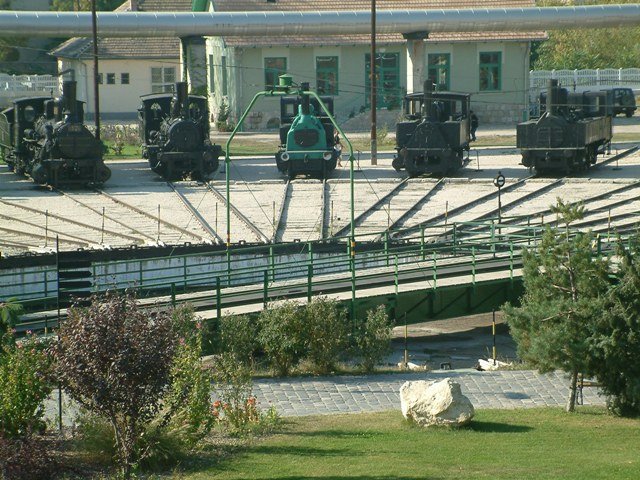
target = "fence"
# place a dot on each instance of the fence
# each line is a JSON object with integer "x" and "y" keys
{"x": 17, "y": 86}
{"x": 621, "y": 77}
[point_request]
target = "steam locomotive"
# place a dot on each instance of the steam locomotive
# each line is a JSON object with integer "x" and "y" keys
{"x": 570, "y": 133}
{"x": 175, "y": 135}
{"x": 434, "y": 132}
{"x": 307, "y": 143}
{"x": 46, "y": 139}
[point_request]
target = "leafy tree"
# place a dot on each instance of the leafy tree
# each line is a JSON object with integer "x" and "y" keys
{"x": 373, "y": 339}
{"x": 239, "y": 337}
{"x": 115, "y": 360}
{"x": 79, "y": 5}
{"x": 564, "y": 285}
{"x": 588, "y": 48}
{"x": 282, "y": 336}
{"x": 616, "y": 342}
{"x": 10, "y": 311}
{"x": 326, "y": 333}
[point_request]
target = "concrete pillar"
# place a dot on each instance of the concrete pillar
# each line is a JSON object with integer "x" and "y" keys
{"x": 193, "y": 62}
{"x": 416, "y": 60}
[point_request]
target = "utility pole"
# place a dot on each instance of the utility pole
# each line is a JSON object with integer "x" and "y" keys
{"x": 96, "y": 94}
{"x": 374, "y": 142}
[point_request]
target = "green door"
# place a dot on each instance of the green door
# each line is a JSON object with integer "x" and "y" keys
{"x": 389, "y": 94}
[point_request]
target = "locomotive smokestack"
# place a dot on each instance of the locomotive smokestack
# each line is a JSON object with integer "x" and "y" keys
{"x": 182, "y": 97}
{"x": 68, "y": 100}
{"x": 552, "y": 96}
{"x": 305, "y": 98}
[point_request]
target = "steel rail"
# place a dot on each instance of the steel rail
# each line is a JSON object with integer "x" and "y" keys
{"x": 109, "y": 217}
{"x": 255, "y": 230}
{"x": 196, "y": 214}
{"x": 381, "y": 201}
{"x": 68, "y": 220}
{"x": 149, "y": 216}
{"x": 278, "y": 219}
{"x": 78, "y": 242}
{"x": 402, "y": 218}
{"x": 348, "y": 22}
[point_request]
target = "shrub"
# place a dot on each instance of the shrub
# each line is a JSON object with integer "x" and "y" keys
{"x": 223, "y": 123}
{"x": 326, "y": 337}
{"x": 10, "y": 311}
{"x": 115, "y": 360}
{"x": 239, "y": 336}
{"x": 26, "y": 458}
{"x": 373, "y": 338}
{"x": 282, "y": 336}
{"x": 24, "y": 385}
{"x": 236, "y": 409}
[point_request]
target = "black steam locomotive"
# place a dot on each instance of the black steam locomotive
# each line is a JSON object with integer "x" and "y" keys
{"x": 308, "y": 145}
{"x": 175, "y": 135}
{"x": 434, "y": 133}
{"x": 572, "y": 130}
{"x": 46, "y": 139}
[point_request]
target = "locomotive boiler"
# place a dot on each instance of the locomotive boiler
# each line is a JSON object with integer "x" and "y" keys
{"x": 175, "y": 134}
{"x": 46, "y": 139}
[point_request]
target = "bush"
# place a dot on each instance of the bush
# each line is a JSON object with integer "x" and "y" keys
{"x": 10, "y": 311}
{"x": 115, "y": 360}
{"x": 327, "y": 333}
{"x": 26, "y": 458}
{"x": 236, "y": 409}
{"x": 223, "y": 123}
{"x": 282, "y": 336}
{"x": 373, "y": 338}
{"x": 239, "y": 337}
{"x": 24, "y": 385}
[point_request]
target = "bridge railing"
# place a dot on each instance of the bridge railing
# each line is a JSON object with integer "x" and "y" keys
{"x": 268, "y": 266}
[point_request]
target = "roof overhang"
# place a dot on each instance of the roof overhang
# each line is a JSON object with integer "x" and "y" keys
{"x": 185, "y": 24}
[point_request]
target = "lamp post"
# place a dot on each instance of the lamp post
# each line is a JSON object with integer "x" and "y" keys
{"x": 96, "y": 94}
{"x": 374, "y": 93}
{"x": 499, "y": 182}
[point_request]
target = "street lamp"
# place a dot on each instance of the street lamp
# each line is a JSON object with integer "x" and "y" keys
{"x": 499, "y": 182}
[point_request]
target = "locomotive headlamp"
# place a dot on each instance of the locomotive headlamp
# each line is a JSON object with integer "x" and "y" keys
{"x": 337, "y": 147}
{"x": 284, "y": 157}
{"x": 327, "y": 156}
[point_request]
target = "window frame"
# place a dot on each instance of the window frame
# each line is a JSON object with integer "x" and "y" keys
{"x": 111, "y": 78}
{"x": 225, "y": 79}
{"x": 212, "y": 76}
{"x": 124, "y": 75}
{"x": 275, "y": 72}
{"x": 488, "y": 66}
{"x": 321, "y": 70}
{"x": 167, "y": 79}
{"x": 437, "y": 68}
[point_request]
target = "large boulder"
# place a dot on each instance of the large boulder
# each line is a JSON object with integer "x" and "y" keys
{"x": 435, "y": 403}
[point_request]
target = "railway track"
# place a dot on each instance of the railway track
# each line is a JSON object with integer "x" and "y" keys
{"x": 196, "y": 214}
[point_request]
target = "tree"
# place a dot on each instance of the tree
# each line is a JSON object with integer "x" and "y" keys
{"x": 115, "y": 360}
{"x": 281, "y": 336}
{"x": 10, "y": 311}
{"x": 565, "y": 286}
{"x": 585, "y": 48}
{"x": 616, "y": 342}
{"x": 326, "y": 333}
{"x": 79, "y": 5}
{"x": 373, "y": 340}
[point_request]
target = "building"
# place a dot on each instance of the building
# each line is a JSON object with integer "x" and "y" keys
{"x": 128, "y": 68}
{"x": 492, "y": 66}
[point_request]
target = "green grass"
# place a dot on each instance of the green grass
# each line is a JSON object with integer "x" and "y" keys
{"x": 129, "y": 151}
{"x": 499, "y": 444}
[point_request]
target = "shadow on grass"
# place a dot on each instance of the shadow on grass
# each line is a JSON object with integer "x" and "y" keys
{"x": 494, "y": 427}
{"x": 352, "y": 477}
{"x": 301, "y": 451}
{"x": 341, "y": 434}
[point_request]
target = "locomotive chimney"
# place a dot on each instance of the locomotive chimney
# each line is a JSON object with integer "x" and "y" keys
{"x": 68, "y": 100}
{"x": 305, "y": 98}
{"x": 552, "y": 96}
{"x": 133, "y": 5}
{"x": 182, "y": 98}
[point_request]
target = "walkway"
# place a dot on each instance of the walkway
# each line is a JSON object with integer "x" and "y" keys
{"x": 355, "y": 394}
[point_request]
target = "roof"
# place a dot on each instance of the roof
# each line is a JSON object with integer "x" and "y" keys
{"x": 364, "y": 39}
{"x": 119, "y": 48}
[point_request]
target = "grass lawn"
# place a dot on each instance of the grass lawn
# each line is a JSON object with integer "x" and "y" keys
{"x": 499, "y": 444}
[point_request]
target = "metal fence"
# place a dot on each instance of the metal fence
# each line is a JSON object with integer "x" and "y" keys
{"x": 619, "y": 77}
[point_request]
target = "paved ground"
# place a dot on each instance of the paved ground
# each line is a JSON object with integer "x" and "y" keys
{"x": 357, "y": 394}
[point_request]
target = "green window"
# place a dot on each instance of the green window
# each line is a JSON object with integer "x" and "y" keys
{"x": 223, "y": 62}
{"x": 327, "y": 75}
{"x": 388, "y": 92}
{"x": 273, "y": 68}
{"x": 490, "y": 71}
{"x": 439, "y": 68}
{"x": 212, "y": 84}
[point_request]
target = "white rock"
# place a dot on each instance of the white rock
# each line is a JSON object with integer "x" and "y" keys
{"x": 435, "y": 403}
{"x": 489, "y": 365}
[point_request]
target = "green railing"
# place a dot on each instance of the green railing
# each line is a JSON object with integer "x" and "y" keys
{"x": 264, "y": 266}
